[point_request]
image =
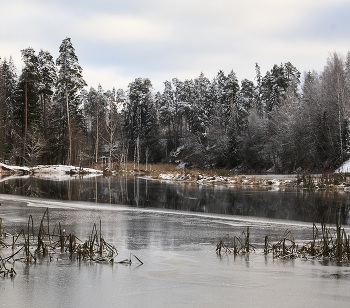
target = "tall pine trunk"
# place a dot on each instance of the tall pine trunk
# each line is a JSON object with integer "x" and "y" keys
{"x": 96, "y": 144}
{"x": 44, "y": 117}
{"x": 25, "y": 118}
{"x": 69, "y": 130}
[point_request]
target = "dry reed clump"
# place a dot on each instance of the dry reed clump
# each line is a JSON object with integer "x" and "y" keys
{"x": 45, "y": 245}
{"x": 239, "y": 244}
{"x": 327, "y": 244}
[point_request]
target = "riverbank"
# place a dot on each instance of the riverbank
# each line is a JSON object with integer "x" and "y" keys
{"x": 338, "y": 180}
{"x": 305, "y": 181}
{"x": 176, "y": 173}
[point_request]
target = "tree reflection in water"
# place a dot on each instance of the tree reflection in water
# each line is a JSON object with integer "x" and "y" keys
{"x": 298, "y": 205}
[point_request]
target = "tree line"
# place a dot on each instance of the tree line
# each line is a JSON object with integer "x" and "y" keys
{"x": 280, "y": 121}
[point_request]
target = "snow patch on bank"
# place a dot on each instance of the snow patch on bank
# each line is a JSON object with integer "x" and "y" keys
{"x": 6, "y": 169}
{"x": 56, "y": 172}
{"x": 344, "y": 168}
{"x": 61, "y": 169}
{"x": 176, "y": 177}
{"x": 222, "y": 180}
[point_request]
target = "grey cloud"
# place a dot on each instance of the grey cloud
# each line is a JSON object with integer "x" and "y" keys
{"x": 326, "y": 24}
{"x": 199, "y": 36}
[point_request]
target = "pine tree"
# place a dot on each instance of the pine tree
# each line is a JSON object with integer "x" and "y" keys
{"x": 292, "y": 76}
{"x": 231, "y": 91}
{"x": 3, "y": 114}
{"x": 167, "y": 115}
{"x": 48, "y": 77}
{"x": 95, "y": 111}
{"x": 7, "y": 110}
{"x": 27, "y": 110}
{"x": 184, "y": 97}
{"x": 245, "y": 99}
{"x": 258, "y": 91}
{"x": 201, "y": 111}
{"x": 140, "y": 117}
{"x": 222, "y": 102}
{"x": 278, "y": 84}
{"x": 90, "y": 104}
{"x": 68, "y": 86}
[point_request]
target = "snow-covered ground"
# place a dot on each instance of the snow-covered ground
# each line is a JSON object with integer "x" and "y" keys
{"x": 234, "y": 180}
{"x": 344, "y": 168}
{"x": 314, "y": 181}
{"x": 56, "y": 172}
{"x": 62, "y": 172}
{"x": 61, "y": 169}
{"x": 13, "y": 169}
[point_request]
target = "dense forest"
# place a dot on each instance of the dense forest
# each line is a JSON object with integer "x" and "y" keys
{"x": 280, "y": 121}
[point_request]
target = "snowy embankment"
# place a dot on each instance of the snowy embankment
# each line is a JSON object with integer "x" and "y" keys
{"x": 62, "y": 172}
{"x": 304, "y": 181}
{"x": 48, "y": 171}
{"x": 336, "y": 180}
{"x": 11, "y": 170}
{"x": 234, "y": 180}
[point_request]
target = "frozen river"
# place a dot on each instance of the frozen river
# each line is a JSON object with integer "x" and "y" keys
{"x": 175, "y": 237}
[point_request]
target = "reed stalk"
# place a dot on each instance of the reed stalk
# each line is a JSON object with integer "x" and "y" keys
{"x": 247, "y": 240}
{"x": 266, "y": 246}
{"x": 101, "y": 242}
{"x": 339, "y": 240}
{"x": 60, "y": 234}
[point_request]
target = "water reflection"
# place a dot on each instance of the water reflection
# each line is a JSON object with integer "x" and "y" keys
{"x": 299, "y": 205}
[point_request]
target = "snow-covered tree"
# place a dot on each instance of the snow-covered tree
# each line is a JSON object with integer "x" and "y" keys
{"x": 111, "y": 139}
{"x": 68, "y": 86}
{"x": 201, "y": 111}
{"x": 167, "y": 113}
{"x": 281, "y": 81}
{"x": 95, "y": 110}
{"x": 140, "y": 119}
{"x": 335, "y": 100}
{"x": 27, "y": 110}
{"x": 2, "y": 117}
{"x": 10, "y": 79}
{"x": 48, "y": 77}
{"x": 258, "y": 91}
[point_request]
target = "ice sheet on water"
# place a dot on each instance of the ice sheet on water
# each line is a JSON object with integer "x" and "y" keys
{"x": 232, "y": 220}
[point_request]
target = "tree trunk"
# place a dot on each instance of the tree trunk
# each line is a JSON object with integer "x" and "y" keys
{"x": 44, "y": 116}
{"x": 25, "y": 118}
{"x": 138, "y": 153}
{"x": 69, "y": 130}
{"x": 96, "y": 144}
{"x": 340, "y": 132}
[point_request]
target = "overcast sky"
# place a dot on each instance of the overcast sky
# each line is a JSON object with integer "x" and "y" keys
{"x": 117, "y": 41}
